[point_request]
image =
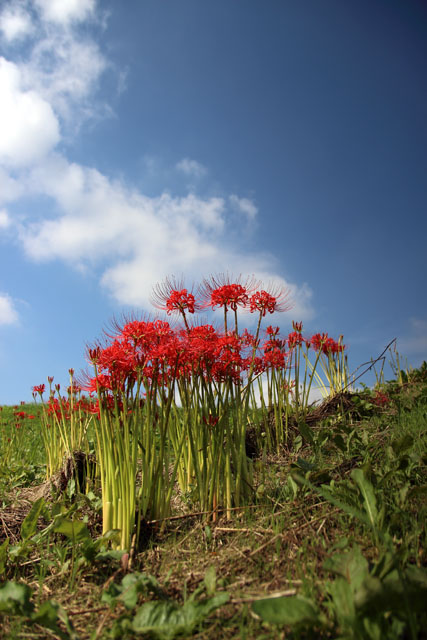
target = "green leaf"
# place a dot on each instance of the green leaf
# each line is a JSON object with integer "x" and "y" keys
{"x": 15, "y": 598}
{"x": 73, "y": 529}
{"x": 131, "y": 586}
{"x": 343, "y": 599}
{"x": 352, "y": 566}
{"x": 29, "y": 524}
{"x": 368, "y": 494}
{"x": 3, "y": 555}
{"x": 306, "y": 432}
{"x": 328, "y": 495}
{"x": 293, "y": 610}
{"x": 166, "y": 620}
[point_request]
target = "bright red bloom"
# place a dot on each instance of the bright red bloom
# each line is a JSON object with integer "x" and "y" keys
{"x": 317, "y": 340}
{"x": 171, "y": 296}
{"x": 274, "y": 358}
{"x": 326, "y": 344}
{"x": 272, "y": 331}
{"x": 39, "y": 389}
{"x": 295, "y": 339}
{"x": 225, "y": 291}
{"x": 230, "y": 296}
{"x": 275, "y": 300}
{"x": 179, "y": 301}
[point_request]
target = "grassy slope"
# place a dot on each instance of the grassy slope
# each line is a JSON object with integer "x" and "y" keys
{"x": 277, "y": 545}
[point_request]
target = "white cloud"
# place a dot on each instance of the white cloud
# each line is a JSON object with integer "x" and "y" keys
{"x": 65, "y": 12}
{"x": 245, "y": 206}
{"x": 15, "y": 23}
{"x": 8, "y": 313}
{"x": 133, "y": 240}
{"x": 137, "y": 240}
{"x": 28, "y": 126}
{"x": 4, "y": 219}
{"x": 65, "y": 70}
{"x": 191, "y": 168}
{"x": 10, "y": 188}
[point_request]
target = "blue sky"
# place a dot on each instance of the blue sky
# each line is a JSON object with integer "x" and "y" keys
{"x": 142, "y": 139}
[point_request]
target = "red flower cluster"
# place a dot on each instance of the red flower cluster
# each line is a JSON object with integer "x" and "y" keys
{"x": 230, "y": 296}
{"x": 171, "y": 296}
{"x": 381, "y": 399}
{"x": 152, "y": 352}
{"x": 326, "y": 344}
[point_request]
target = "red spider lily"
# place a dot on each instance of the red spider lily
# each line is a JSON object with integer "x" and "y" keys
{"x": 297, "y": 326}
{"x": 295, "y": 339}
{"x": 326, "y": 344}
{"x": 93, "y": 354}
{"x": 223, "y": 290}
{"x": 20, "y": 414}
{"x": 171, "y": 296}
{"x": 271, "y": 301}
{"x": 272, "y": 331}
{"x": 381, "y": 399}
{"x": 247, "y": 338}
{"x": 317, "y": 340}
{"x": 211, "y": 421}
{"x": 229, "y": 296}
{"x": 274, "y": 358}
{"x": 39, "y": 389}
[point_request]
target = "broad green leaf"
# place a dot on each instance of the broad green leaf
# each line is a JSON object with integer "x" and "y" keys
{"x": 3, "y": 555}
{"x": 352, "y": 566}
{"x": 343, "y": 599}
{"x": 73, "y": 529}
{"x": 135, "y": 583}
{"x": 131, "y": 586}
{"x": 368, "y": 494}
{"x": 306, "y": 432}
{"x": 166, "y": 620}
{"x": 292, "y": 610}
{"x": 29, "y": 524}
{"x": 15, "y": 598}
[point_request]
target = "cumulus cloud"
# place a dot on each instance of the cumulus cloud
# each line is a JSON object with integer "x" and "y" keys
{"x": 29, "y": 128}
{"x": 8, "y": 313}
{"x": 131, "y": 239}
{"x": 10, "y": 188}
{"x": 191, "y": 168}
{"x": 15, "y": 23}
{"x": 138, "y": 240}
{"x": 4, "y": 219}
{"x": 64, "y": 70}
{"x": 65, "y": 12}
{"x": 58, "y": 64}
{"x": 245, "y": 206}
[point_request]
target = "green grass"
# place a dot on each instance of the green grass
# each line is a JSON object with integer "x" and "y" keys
{"x": 335, "y": 530}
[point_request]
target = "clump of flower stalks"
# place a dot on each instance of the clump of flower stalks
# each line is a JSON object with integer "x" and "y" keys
{"x": 171, "y": 403}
